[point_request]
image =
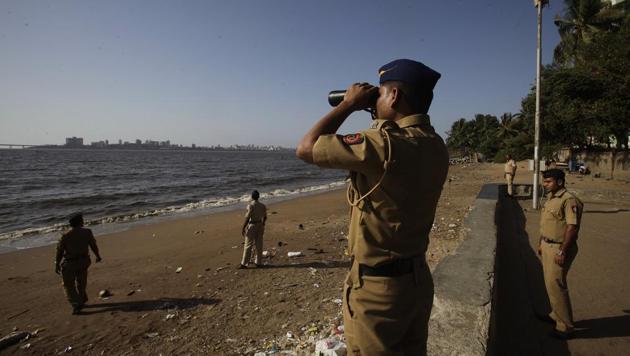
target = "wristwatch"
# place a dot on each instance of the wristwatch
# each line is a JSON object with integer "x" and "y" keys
{"x": 560, "y": 253}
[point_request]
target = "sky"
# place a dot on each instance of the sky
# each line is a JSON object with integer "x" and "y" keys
{"x": 248, "y": 72}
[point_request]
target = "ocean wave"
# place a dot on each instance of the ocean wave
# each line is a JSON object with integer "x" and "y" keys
{"x": 175, "y": 209}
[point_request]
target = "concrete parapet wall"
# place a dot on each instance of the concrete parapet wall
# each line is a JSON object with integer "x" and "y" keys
{"x": 460, "y": 319}
{"x": 603, "y": 162}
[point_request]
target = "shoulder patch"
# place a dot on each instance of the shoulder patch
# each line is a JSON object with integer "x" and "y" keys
{"x": 353, "y": 139}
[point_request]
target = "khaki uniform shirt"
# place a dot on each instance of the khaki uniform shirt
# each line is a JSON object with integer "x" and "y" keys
{"x": 561, "y": 209}
{"x": 73, "y": 245}
{"x": 510, "y": 167}
{"x": 256, "y": 212}
{"x": 395, "y": 220}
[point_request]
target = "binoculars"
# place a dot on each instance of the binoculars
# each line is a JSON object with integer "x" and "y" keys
{"x": 335, "y": 97}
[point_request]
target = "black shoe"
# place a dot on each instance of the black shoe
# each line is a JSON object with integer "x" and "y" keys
{"x": 562, "y": 335}
{"x": 76, "y": 310}
{"x": 242, "y": 267}
{"x": 546, "y": 318}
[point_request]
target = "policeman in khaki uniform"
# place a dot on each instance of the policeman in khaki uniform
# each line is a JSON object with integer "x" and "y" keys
{"x": 398, "y": 167}
{"x": 559, "y": 226}
{"x": 73, "y": 259}
{"x": 510, "y": 171}
{"x": 253, "y": 230}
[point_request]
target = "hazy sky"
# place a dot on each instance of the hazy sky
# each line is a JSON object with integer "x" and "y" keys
{"x": 237, "y": 72}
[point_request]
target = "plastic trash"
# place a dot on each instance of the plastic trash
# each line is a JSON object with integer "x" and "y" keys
{"x": 330, "y": 347}
{"x": 295, "y": 254}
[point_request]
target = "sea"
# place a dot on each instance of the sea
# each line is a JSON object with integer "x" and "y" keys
{"x": 117, "y": 189}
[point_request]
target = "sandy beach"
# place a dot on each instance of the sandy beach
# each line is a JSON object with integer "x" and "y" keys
{"x": 210, "y": 307}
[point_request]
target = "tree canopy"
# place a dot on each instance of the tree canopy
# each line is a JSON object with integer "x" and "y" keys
{"x": 585, "y": 96}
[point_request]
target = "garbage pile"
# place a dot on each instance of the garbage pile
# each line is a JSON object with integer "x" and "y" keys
{"x": 315, "y": 339}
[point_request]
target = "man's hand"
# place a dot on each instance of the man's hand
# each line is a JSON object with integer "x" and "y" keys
{"x": 361, "y": 96}
{"x": 559, "y": 259}
{"x": 98, "y": 259}
{"x": 57, "y": 268}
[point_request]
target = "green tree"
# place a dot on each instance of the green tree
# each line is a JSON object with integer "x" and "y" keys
{"x": 461, "y": 137}
{"x": 507, "y": 126}
{"x": 607, "y": 60}
{"x": 581, "y": 21}
{"x": 475, "y": 136}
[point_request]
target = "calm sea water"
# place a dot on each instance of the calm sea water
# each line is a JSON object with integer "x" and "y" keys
{"x": 39, "y": 189}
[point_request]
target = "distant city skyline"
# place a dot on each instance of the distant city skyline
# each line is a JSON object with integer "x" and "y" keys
{"x": 214, "y": 72}
{"x": 78, "y": 142}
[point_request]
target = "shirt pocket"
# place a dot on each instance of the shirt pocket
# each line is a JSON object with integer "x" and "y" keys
{"x": 556, "y": 212}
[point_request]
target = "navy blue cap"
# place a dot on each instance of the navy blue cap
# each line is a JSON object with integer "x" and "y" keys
{"x": 408, "y": 71}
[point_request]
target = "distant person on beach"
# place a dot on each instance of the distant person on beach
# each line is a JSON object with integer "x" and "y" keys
{"x": 397, "y": 169}
{"x": 559, "y": 226}
{"x": 253, "y": 230}
{"x": 509, "y": 172}
{"x": 73, "y": 259}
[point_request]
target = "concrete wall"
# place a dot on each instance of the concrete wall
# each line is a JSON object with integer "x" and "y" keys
{"x": 601, "y": 162}
{"x": 461, "y": 317}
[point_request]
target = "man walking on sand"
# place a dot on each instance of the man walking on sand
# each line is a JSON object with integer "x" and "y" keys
{"x": 73, "y": 260}
{"x": 253, "y": 230}
{"x": 397, "y": 169}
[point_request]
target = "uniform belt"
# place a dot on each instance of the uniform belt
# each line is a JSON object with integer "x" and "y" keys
{"x": 396, "y": 268}
{"x": 255, "y": 221}
{"x": 549, "y": 241}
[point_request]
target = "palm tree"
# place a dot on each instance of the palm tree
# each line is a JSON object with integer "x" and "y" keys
{"x": 507, "y": 126}
{"x": 581, "y": 21}
{"x": 462, "y": 136}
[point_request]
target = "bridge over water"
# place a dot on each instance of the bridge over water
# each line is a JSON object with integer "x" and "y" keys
{"x": 18, "y": 145}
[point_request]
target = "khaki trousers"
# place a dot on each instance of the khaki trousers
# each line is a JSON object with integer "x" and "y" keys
{"x": 253, "y": 237}
{"x": 556, "y": 284}
{"x": 74, "y": 280}
{"x": 388, "y": 315}
{"x": 509, "y": 177}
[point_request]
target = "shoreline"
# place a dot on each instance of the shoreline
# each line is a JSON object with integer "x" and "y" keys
{"x": 111, "y": 225}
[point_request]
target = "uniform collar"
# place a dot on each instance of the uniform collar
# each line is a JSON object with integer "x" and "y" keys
{"x": 414, "y": 120}
{"x": 558, "y": 194}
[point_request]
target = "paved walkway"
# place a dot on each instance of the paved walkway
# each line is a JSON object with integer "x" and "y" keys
{"x": 599, "y": 283}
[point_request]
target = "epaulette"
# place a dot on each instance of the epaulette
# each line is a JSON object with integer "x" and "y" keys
{"x": 383, "y": 124}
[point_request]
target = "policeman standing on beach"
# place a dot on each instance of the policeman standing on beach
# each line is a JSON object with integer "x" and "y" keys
{"x": 73, "y": 259}
{"x": 509, "y": 171}
{"x": 559, "y": 227}
{"x": 397, "y": 169}
{"x": 253, "y": 230}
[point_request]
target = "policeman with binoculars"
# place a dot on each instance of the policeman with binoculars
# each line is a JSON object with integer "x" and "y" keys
{"x": 397, "y": 169}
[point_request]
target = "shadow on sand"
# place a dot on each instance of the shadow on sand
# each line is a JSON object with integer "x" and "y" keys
{"x": 614, "y": 326}
{"x": 148, "y": 305}
{"x": 316, "y": 264}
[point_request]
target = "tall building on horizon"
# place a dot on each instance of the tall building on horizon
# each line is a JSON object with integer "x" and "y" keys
{"x": 74, "y": 141}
